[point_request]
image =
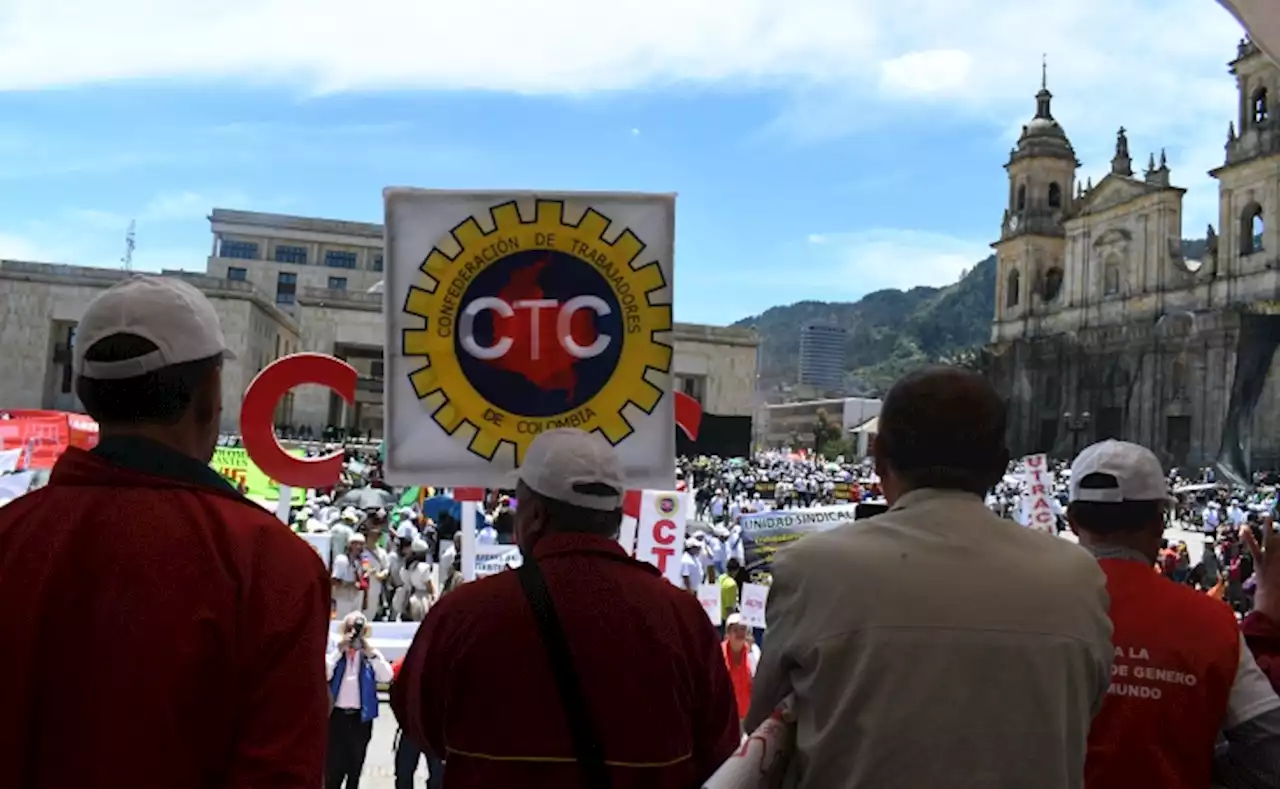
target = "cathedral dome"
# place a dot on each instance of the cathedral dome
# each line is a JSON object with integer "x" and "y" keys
{"x": 1042, "y": 135}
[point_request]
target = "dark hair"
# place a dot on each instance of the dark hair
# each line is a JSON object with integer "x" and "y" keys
{"x": 1108, "y": 518}
{"x": 571, "y": 518}
{"x": 159, "y": 397}
{"x": 944, "y": 427}
{"x": 732, "y": 564}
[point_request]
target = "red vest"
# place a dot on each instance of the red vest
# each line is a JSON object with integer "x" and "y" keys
{"x": 1176, "y": 656}
{"x": 739, "y": 676}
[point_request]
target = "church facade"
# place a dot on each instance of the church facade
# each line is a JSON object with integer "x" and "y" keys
{"x": 1106, "y": 326}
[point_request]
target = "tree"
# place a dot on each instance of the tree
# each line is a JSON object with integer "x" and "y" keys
{"x": 825, "y": 431}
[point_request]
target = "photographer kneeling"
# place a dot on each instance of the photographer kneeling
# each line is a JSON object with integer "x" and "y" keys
{"x": 354, "y": 669}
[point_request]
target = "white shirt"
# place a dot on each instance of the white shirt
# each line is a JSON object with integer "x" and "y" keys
{"x": 690, "y": 568}
{"x": 348, "y": 697}
{"x": 734, "y": 544}
{"x": 1251, "y": 692}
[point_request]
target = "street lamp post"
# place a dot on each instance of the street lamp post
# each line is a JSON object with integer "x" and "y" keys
{"x": 1076, "y": 424}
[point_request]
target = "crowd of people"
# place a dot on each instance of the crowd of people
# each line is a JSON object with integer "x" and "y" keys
{"x": 937, "y": 644}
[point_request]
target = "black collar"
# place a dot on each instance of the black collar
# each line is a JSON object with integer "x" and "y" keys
{"x": 157, "y": 460}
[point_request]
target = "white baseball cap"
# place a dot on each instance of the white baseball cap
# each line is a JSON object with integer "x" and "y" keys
{"x": 559, "y": 460}
{"x": 1135, "y": 470}
{"x": 170, "y": 313}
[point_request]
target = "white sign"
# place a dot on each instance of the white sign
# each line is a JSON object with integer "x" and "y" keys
{"x": 755, "y": 598}
{"x": 513, "y": 313}
{"x": 321, "y": 543}
{"x": 1037, "y": 494}
{"x": 627, "y": 535}
{"x": 709, "y": 598}
{"x": 9, "y": 460}
{"x": 493, "y": 559}
{"x": 660, "y": 531}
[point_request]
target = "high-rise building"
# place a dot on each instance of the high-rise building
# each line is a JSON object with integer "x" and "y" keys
{"x": 822, "y": 355}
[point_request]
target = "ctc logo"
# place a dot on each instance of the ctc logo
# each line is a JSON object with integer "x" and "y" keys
{"x": 563, "y": 326}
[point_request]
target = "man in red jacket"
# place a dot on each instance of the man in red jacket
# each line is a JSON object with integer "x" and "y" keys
{"x": 1182, "y": 675}
{"x": 479, "y": 690}
{"x": 160, "y": 629}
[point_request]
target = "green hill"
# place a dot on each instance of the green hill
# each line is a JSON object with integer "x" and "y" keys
{"x": 890, "y": 331}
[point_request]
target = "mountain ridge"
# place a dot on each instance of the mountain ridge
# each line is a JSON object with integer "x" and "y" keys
{"x": 890, "y": 332}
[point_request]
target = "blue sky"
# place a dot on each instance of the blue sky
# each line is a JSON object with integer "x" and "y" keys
{"x": 821, "y": 149}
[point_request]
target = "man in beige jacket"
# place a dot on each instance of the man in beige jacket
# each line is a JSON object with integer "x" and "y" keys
{"x": 936, "y": 645}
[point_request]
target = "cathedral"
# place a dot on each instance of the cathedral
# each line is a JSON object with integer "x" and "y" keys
{"x": 1107, "y": 326}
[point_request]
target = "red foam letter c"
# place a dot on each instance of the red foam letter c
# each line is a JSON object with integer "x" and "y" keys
{"x": 258, "y": 410}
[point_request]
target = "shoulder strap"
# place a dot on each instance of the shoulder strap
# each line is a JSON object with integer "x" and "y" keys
{"x": 586, "y": 745}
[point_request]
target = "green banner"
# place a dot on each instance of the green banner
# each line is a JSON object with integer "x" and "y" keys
{"x": 234, "y": 465}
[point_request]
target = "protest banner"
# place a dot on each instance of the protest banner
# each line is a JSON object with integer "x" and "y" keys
{"x": 761, "y": 760}
{"x": 660, "y": 531}
{"x": 236, "y": 467}
{"x": 509, "y": 314}
{"x": 754, "y": 600}
{"x": 709, "y": 599}
{"x": 493, "y": 559}
{"x": 766, "y": 489}
{"x": 1037, "y": 494}
{"x": 763, "y": 533}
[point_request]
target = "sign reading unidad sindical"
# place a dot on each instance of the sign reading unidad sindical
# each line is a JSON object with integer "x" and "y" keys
{"x": 509, "y": 314}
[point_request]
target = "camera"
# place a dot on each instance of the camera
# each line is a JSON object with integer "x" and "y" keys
{"x": 355, "y": 632}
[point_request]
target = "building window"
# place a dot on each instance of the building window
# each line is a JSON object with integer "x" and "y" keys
{"x": 1177, "y": 438}
{"x": 693, "y": 385}
{"x": 337, "y": 283}
{"x": 1022, "y": 198}
{"x": 1111, "y": 278}
{"x": 240, "y": 250}
{"x": 237, "y": 274}
{"x": 1260, "y": 109}
{"x": 1251, "y": 228}
{"x": 377, "y": 263}
{"x": 1052, "y": 284}
{"x": 334, "y": 258}
{"x": 376, "y": 369}
{"x": 290, "y": 254}
{"x": 1055, "y": 195}
{"x": 67, "y": 366}
{"x": 1012, "y": 285}
{"x": 286, "y": 288}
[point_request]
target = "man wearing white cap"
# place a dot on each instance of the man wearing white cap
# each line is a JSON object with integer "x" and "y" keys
{"x": 196, "y": 620}
{"x": 603, "y": 672}
{"x": 1182, "y": 671}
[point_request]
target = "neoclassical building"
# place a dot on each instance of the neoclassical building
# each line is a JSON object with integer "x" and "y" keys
{"x": 1107, "y": 325}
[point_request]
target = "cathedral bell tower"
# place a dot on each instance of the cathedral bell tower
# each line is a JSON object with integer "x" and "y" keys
{"x": 1029, "y": 254}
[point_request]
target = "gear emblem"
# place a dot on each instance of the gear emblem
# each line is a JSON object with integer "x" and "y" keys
{"x": 535, "y": 325}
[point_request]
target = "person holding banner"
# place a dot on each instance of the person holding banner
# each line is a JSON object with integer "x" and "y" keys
{"x": 936, "y": 644}
{"x": 583, "y": 667}
{"x": 161, "y": 630}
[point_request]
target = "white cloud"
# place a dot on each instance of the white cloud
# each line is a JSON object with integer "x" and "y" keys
{"x": 16, "y": 247}
{"x": 865, "y": 261}
{"x": 937, "y": 72}
{"x": 635, "y": 132}
{"x": 1157, "y": 66}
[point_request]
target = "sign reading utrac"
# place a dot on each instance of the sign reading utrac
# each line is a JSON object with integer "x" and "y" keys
{"x": 513, "y": 314}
